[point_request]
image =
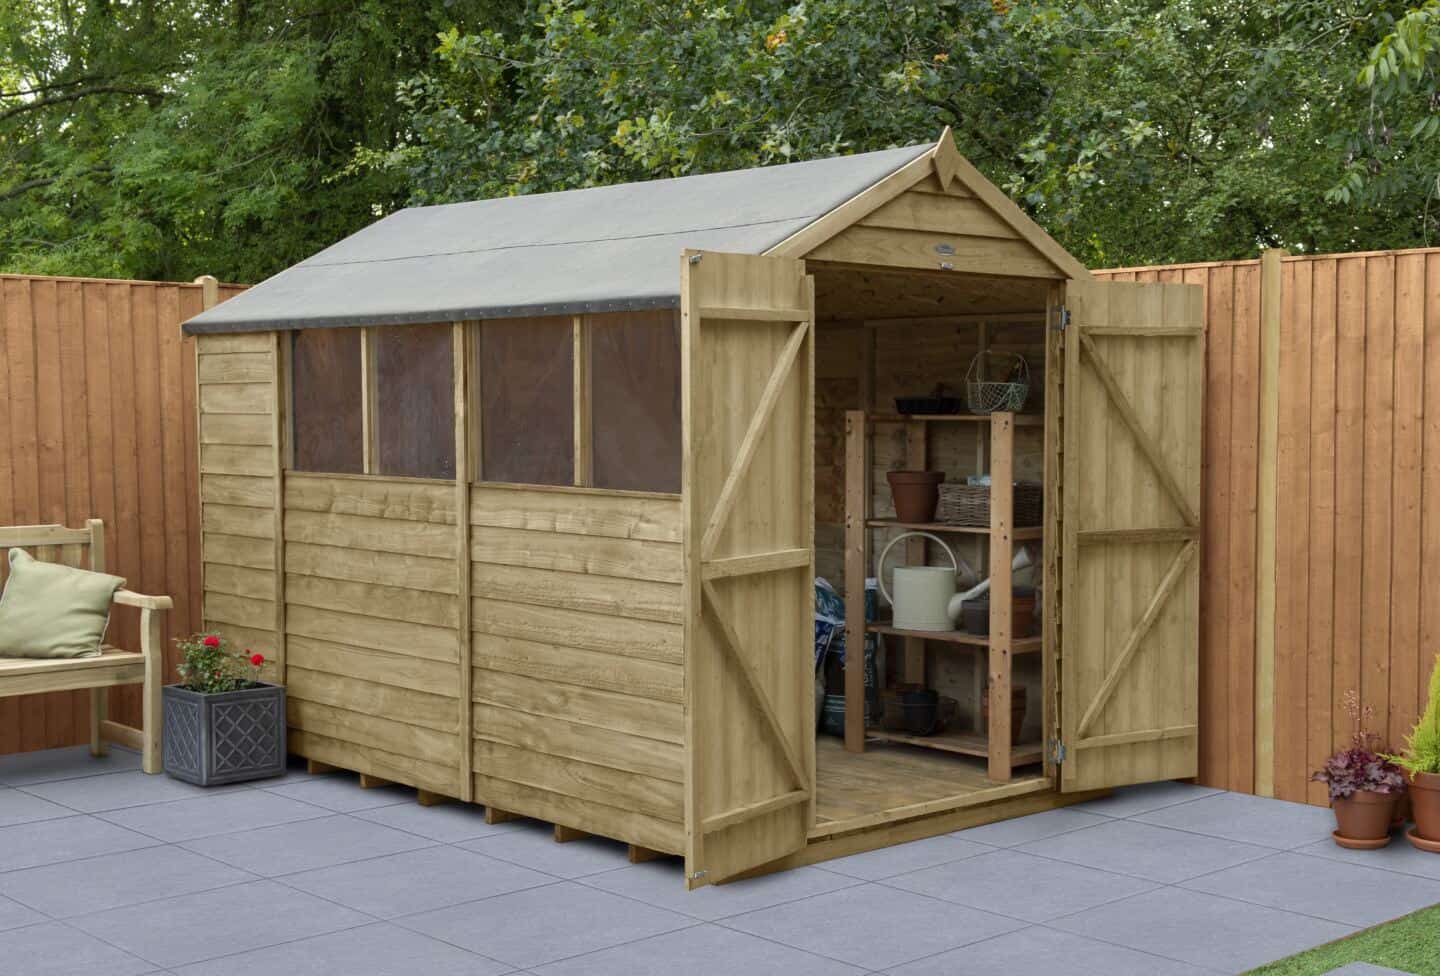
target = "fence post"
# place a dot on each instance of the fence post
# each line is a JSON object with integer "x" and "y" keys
{"x": 1265, "y": 519}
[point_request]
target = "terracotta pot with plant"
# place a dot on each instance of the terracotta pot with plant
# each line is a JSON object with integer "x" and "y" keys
{"x": 1364, "y": 785}
{"x": 1421, "y": 760}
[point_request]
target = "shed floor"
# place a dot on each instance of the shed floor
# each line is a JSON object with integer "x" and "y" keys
{"x": 852, "y": 787}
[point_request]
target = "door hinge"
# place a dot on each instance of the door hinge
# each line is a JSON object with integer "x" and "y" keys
{"x": 1057, "y": 751}
{"x": 695, "y": 258}
{"x": 1061, "y": 318}
{"x": 698, "y": 875}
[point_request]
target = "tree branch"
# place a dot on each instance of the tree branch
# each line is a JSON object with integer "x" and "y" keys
{"x": 19, "y": 189}
{"x": 75, "y": 96}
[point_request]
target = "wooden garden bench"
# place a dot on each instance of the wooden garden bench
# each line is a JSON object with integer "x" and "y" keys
{"x": 25, "y": 676}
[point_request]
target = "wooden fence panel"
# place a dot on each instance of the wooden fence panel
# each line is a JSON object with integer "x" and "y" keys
{"x": 1356, "y": 559}
{"x": 97, "y": 419}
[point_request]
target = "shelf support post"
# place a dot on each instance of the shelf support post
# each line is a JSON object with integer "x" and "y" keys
{"x": 857, "y": 558}
{"x": 1002, "y": 503}
{"x": 916, "y": 549}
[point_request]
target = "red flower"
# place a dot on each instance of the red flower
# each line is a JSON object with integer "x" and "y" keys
{"x": 257, "y": 659}
{"x": 212, "y": 641}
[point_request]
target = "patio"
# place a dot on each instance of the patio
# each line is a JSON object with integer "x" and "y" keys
{"x": 104, "y": 869}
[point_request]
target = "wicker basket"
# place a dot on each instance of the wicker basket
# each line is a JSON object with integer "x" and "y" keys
{"x": 969, "y": 505}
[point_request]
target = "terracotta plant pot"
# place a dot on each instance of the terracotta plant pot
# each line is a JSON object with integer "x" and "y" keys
{"x": 916, "y": 494}
{"x": 1363, "y": 819}
{"x": 1425, "y": 804}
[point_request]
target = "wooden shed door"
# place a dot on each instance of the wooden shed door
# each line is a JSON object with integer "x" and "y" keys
{"x": 748, "y": 350}
{"x": 1129, "y": 642}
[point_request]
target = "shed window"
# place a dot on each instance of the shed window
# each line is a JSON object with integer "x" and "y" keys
{"x": 635, "y": 400}
{"x": 414, "y": 412}
{"x": 527, "y": 422}
{"x": 328, "y": 426}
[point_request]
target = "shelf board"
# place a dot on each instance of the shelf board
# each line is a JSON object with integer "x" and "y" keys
{"x": 1020, "y": 645}
{"x": 965, "y": 743}
{"x": 1019, "y": 535}
{"x": 1021, "y": 419}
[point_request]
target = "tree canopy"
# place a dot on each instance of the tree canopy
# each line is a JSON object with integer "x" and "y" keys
{"x": 169, "y": 138}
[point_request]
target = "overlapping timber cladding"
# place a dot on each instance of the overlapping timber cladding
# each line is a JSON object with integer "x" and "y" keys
{"x": 527, "y": 498}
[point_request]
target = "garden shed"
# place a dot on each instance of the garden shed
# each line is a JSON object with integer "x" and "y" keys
{"x": 527, "y": 498}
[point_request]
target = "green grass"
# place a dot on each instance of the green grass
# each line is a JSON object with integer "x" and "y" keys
{"x": 1410, "y": 944}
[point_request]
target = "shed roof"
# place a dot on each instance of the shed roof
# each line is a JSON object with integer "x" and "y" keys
{"x": 598, "y": 249}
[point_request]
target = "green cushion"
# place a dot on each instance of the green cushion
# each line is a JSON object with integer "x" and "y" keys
{"x": 53, "y": 611}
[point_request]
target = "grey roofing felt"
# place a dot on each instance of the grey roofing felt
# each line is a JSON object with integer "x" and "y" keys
{"x": 604, "y": 248}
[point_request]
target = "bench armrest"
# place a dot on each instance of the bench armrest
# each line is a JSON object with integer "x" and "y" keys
{"x": 129, "y": 598}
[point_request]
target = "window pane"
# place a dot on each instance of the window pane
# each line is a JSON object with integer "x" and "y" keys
{"x": 527, "y": 419}
{"x": 635, "y": 400}
{"x": 415, "y": 401}
{"x": 328, "y": 432}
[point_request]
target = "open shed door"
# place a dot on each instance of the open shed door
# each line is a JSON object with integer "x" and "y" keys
{"x": 1129, "y": 643}
{"x": 748, "y": 352}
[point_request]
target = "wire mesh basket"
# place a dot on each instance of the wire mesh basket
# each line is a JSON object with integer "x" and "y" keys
{"x": 986, "y": 395}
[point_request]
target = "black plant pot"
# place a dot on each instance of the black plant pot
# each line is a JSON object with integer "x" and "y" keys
{"x": 229, "y": 737}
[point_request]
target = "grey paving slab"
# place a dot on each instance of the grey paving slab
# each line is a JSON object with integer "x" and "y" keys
{"x": 1131, "y": 800}
{"x": 890, "y": 861}
{"x": 306, "y": 845}
{"x": 214, "y": 814}
{"x": 1040, "y": 951}
{"x": 1400, "y": 856}
{"x": 13, "y": 914}
{"x": 1037, "y": 826}
{"x": 339, "y": 792}
{"x": 24, "y": 768}
{"x": 542, "y": 925}
{"x": 112, "y": 880}
{"x": 1248, "y": 819}
{"x": 1365, "y": 969}
{"x": 660, "y": 883}
{"x": 707, "y": 949}
{"x": 114, "y": 791}
{"x": 1335, "y": 890}
{"x": 417, "y": 881}
{"x": 379, "y": 949}
{"x": 532, "y": 845}
{"x": 191, "y": 928}
{"x": 18, "y": 806}
{"x": 871, "y": 926}
{"x": 1020, "y": 885}
{"x": 1146, "y": 851}
{"x": 449, "y": 823}
{"x": 52, "y": 841}
{"x": 1204, "y": 930}
{"x": 55, "y": 949}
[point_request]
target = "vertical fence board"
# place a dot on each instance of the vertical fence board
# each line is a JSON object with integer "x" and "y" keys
{"x": 1320, "y": 628}
{"x": 1409, "y": 382}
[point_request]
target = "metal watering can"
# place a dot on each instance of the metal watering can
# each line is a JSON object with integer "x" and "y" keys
{"x": 925, "y": 597}
{"x": 924, "y": 594}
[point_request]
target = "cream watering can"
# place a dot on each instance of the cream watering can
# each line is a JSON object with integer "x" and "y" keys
{"x": 925, "y": 597}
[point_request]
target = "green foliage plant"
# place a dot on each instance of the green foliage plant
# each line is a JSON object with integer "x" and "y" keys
{"x": 211, "y": 665}
{"x": 1422, "y": 746}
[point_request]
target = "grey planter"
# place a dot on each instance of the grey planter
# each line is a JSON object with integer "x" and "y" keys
{"x": 224, "y": 738}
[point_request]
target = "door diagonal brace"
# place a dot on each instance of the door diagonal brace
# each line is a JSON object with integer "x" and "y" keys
{"x": 1137, "y": 634}
{"x": 725, "y": 503}
{"x": 1148, "y": 447}
{"x": 731, "y": 642}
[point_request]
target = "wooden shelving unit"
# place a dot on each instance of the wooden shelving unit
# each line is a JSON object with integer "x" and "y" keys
{"x": 998, "y": 647}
